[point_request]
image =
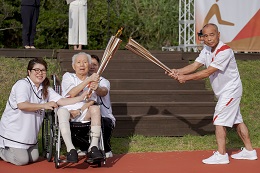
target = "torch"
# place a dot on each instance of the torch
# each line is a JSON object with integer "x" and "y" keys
{"x": 136, "y": 48}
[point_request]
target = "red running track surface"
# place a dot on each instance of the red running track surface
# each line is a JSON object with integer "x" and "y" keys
{"x": 151, "y": 162}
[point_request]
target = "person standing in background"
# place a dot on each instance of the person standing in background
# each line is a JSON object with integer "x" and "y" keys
{"x": 30, "y": 10}
{"x": 77, "y": 23}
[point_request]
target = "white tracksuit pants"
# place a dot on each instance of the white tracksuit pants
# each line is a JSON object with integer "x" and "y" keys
{"x": 78, "y": 22}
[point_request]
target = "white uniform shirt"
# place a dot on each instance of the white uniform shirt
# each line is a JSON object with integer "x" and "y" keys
{"x": 22, "y": 126}
{"x": 225, "y": 81}
{"x": 105, "y": 103}
{"x": 69, "y": 81}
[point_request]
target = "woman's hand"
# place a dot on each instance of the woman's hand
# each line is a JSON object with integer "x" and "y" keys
{"x": 50, "y": 105}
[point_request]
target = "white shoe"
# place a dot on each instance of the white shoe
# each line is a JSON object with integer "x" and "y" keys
{"x": 245, "y": 154}
{"x": 109, "y": 154}
{"x": 217, "y": 158}
{"x": 1, "y": 156}
{"x": 81, "y": 153}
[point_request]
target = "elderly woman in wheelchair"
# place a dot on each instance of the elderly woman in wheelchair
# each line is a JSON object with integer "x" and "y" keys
{"x": 74, "y": 84}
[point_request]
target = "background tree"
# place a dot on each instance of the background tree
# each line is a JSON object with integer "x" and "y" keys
{"x": 10, "y": 23}
{"x": 152, "y": 23}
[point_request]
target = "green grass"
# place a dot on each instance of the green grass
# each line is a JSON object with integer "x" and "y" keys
{"x": 13, "y": 69}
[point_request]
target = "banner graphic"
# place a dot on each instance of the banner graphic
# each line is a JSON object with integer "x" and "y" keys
{"x": 238, "y": 21}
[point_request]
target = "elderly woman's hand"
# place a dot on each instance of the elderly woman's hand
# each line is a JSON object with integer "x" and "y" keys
{"x": 94, "y": 77}
{"x": 93, "y": 86}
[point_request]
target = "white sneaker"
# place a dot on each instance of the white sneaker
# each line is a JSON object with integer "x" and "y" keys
{"x": 1, "y": 156}
{"x": 81, "y": 153}
{"x": 109, "y": 154}
{"x": 245, "y": 154}
{"x": 217, "y": 158}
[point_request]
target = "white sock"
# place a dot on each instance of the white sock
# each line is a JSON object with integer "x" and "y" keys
{"x": 64, "y": 117}
{"x": 95, "y": 136}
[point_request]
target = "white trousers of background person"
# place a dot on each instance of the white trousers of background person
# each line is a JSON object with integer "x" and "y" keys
{"x": 78, "y": 23}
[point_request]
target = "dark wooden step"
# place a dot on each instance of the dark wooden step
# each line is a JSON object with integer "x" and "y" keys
{"x": 140, "y": 64}
{"x": 131, "y": 64}
{"x": 129, "y": 57}
{"x": 164, "y": 108}
{"x": 155, "y": 84}
{"x": 156, "y": 73}
{"x": 146, "y": 101}
{"x": 67, "y": 67}
{"x": 161, "y": 95}
{"x": 66, "y": 53}
{"x": 59, "y": 53}
{"x": 28, "y": 53}
{"x": 124, "y": 59}
{"x": 163, "y": 125}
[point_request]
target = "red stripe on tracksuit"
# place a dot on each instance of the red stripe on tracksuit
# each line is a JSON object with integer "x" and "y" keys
{"x": 215, "y": 118}
{"x": 224, "y": 47}
{"x": 223, "y": 109}
{"x": 229, "y": 101}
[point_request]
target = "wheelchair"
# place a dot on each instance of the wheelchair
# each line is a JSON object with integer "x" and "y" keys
{"x": 52, "y": 140}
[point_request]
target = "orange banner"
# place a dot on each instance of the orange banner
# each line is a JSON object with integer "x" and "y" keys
{"x": 238, "y": 21}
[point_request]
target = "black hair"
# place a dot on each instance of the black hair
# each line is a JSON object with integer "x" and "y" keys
{"x": 46, "y": 82}
{"x": 96, "y": 58}
{"x": 200, "y": 34}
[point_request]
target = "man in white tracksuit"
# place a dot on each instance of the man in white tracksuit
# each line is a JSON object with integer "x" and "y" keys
{"x": 221, "y": 68}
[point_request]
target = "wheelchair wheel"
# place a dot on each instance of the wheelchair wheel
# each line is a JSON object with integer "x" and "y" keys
{"x": 47, "y": 136}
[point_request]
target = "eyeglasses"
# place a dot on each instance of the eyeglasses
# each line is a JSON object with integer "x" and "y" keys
{"x": 37, "y": 70}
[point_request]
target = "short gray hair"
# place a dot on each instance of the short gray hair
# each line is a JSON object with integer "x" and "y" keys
{"x": 81, "y": 53}
{"x": 211, "y": 24}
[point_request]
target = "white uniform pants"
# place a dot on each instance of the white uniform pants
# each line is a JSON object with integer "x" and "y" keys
{"x": 19, "y": 156}
{"x": 78, "y": 23}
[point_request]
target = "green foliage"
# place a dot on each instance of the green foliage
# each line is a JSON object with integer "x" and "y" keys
{"x": 10, "y": 23}
{"x": 152, "y": 23}
{"x": 53, "y": 25}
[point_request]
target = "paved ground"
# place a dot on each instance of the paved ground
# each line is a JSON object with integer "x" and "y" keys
{"x": 164, "y": 162}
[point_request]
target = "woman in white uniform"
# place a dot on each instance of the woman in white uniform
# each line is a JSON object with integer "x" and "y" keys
{"x": 77, "y": 23}
{"x": 24, "y": 113}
